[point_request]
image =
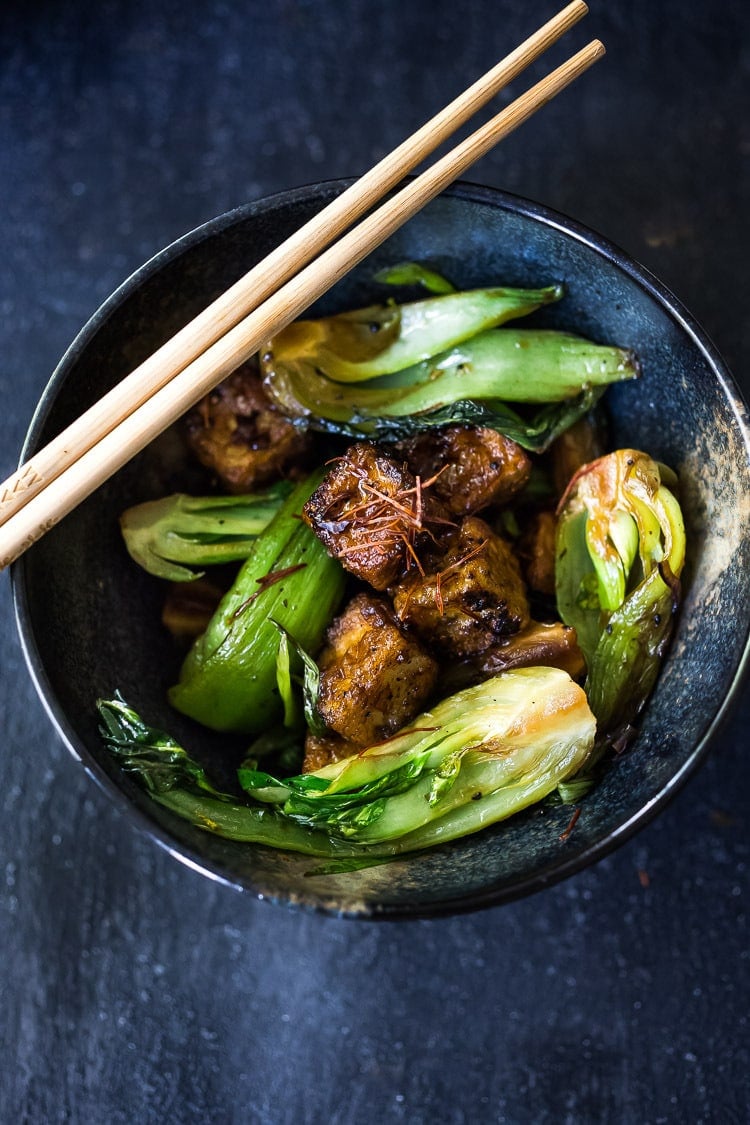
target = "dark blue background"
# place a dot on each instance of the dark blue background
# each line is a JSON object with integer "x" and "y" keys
{"x": 134, "y": 990}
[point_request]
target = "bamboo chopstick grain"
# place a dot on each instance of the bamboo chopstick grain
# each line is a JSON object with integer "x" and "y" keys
{"x": 166, "y": 405}
{"x": 262, "y": 280}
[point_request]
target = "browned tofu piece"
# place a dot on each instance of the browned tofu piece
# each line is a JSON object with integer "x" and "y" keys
{"x": 237, "y": 433}
{"x": 374, "y": 678}
{"x": 575, "y": 447}
{"x": 370, "y": 513}
{"x": 536, "y": 549}
{"x": 189, "y": 606}
{"x": 321, "y": 750}
{"x": 473, "y": 595}
{"x": 476, "y": 466}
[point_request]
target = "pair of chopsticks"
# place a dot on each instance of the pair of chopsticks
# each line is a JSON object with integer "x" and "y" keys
{"x": 272, "y": 294}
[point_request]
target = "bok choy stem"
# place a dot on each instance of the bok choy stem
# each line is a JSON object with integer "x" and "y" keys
{"x": 620, "y": 551}
{"x": 169, "y": 537}
{"x": 228, "y": 680}
{"x": 476, "y": 758}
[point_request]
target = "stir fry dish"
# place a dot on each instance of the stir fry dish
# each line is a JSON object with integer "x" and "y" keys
{"x": 446, "y": 600}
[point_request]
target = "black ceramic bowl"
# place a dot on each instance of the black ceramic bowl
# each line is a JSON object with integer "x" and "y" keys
{"x": 89, "y": 618}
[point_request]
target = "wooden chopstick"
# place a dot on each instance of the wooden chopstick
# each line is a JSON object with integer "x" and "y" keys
{"x": 143, "y": 423}
{"x": 266, "y": 277}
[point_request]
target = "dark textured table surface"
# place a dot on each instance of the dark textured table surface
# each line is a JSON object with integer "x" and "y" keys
{"x": 135, "y": 990}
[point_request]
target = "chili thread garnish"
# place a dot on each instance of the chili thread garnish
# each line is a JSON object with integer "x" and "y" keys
{"x": 571, "y": 825}
{"x": 399, "y": 516}
{"x": 441, "y": 574}
{"x": 265, "y": 582}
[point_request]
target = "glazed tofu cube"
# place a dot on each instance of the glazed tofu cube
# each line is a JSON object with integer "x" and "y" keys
{"x": 321, "y": 750}
{"x": 473, "y": 466}
{"x": 374, "y": 677}
{"x": 547, "y": 643}
{"x": 370, "y": 513}
{"x": 472, "y": 596}
{"x": 237, "y": 433}
{"x": 537, "y": 551}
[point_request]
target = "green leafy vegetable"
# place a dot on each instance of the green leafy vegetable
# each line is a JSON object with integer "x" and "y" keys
{"x": 383, "y": 339}
{"x": 284, "y": 682}
{"x": 620, "y": 550}
{"x": 415, "y": 273}
{"x": 309, "y": 680}
{"x": 159, "y": 761}
{"x": 179, "y": 784}
{"x": 535, "y": 433}
{"x": 475, "y": 758}
{"x": 169, "y": 537}
{"x": 470, "y": 384}
{"x": 228, "y": 680}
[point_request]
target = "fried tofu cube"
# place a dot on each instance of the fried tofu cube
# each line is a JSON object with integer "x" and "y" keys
{"x": 472, "y": 466}
{"x": 537, "y": 551}
{"x": 237, "y": 433}
{"x": 370, "y": 514}
{"x": 472, "y": 596}
{"x": 575, "y": 447}
{"x": 374, "y": 677}
{"x": 321, "y": 750}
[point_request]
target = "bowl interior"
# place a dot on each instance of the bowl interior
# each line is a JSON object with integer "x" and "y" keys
{"x": 89, "y": 618}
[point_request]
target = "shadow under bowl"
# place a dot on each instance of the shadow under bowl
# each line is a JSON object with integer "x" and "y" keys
{"x": 89, "y": 619}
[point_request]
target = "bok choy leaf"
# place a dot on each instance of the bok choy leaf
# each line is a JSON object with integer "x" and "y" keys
{"x": 382, "y": 339}
{"x": 619, "y": 554}
{"x": 169, "y": 537}
{"x": 476, "y": 758}
{"x": 472, "y": 383}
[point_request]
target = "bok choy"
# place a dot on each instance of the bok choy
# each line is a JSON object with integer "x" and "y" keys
{"x": 470, "y": 382}
{"x": 620, "y": 551}
{"x": 382, "y": 339}
{"x": 228, "y": 680}
{"x": 476, "y": 758}
{"x": 170, "y": 536}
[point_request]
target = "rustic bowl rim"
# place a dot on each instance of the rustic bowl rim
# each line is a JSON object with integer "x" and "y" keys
{"x": 492, "y": 896}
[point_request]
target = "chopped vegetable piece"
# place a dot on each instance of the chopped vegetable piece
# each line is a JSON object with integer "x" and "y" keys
{"x": 169, "y": 537}
{"x": 469, "y": 384}
{"x": 228, "y": 680}
{"x": 415, "y": 273}
{"x": 477, "y": 757}
{"x": 620, "y": 551}
{"x": 382, "y": 339}
{"x": 291, "y": 651}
